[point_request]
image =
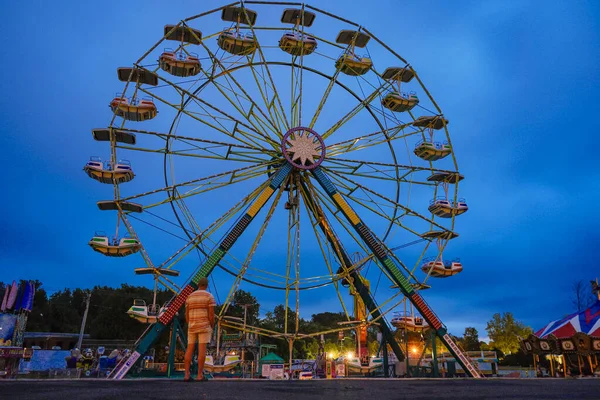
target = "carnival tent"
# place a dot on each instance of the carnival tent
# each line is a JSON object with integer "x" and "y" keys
{"x": 587, "y": 321}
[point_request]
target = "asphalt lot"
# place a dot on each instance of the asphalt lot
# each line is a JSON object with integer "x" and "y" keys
{"x": 347, "y": 389}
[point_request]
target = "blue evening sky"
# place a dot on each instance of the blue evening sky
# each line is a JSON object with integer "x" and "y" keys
{"x": 518, "y": 80}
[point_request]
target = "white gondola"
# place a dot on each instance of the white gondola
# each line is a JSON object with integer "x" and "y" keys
{"x": 133, "y": 109}
{"x": 432, "y": 151}
{"x": 297, "y": 43}
{"x": 114, "y": 247}
{"x": 444, "y": 208}
{"x": 409, "y": 322}
{"x": 179, "y": 63}
{"x": 400, "y": 102}
{"x": 229, "y": 363}
{"x": 437, "y": 268}
{"x": 364, "y": 367}
{"x": 237, "y": 43}
{"x": 144, "y": 313}
{"x": 104, "y": 172}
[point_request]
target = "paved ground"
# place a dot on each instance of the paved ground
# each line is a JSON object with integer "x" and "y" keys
{"x": 349, "y": 389}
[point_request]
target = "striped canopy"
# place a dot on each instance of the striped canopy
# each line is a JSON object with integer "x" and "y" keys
{"x": 587, "y": 321}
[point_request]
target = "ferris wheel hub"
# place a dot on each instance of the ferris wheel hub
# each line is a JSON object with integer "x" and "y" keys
{"x": 303, "y": 148}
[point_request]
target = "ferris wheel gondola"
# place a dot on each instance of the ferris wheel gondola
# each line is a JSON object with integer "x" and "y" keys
{"x": 443, "y": 206}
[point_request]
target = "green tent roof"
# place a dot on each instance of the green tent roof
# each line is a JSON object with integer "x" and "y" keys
{"x": 271, "y": 358}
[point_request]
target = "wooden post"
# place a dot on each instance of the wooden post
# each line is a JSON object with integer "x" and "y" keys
{"x": 552, "y": 366}
{"x": 579, "y": 364}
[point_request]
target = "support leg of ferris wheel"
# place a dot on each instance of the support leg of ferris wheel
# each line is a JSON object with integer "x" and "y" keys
{"x": 154, "y": 331}
{"x": 355, "y": 277}
{"x": 381, "y": 252}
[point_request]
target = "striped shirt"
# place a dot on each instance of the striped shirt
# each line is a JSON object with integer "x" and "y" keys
{"x": 197, "y": 305}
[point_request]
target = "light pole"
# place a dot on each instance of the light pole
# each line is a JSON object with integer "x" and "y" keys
{"x": 85, "y": 314}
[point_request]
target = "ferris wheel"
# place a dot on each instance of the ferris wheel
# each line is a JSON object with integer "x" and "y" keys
{"x": 251, "y": 140}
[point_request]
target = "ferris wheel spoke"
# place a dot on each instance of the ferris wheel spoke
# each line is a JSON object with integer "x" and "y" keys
{"x": 276, "y": 98}
{"x": 252, "y": 135}
{"x": 246, "y": 138}
{"x": 266, "y": 120}
{"x": 251, "y": 252}
{"x": 352, "y": 186}
{"x": 203, "y": 148}
{"x": 377, "y": 170}
{"x": 359, "y": 107}
{"x": 206, "y": 235}
{"x": 317, "y": 219}
{"x": 257, "y": 120}
{"x": 324, "y": 99}
{"x": 370, "y": 140}
{"x": 201, "y": 185}
{"x": 269, "y": 96}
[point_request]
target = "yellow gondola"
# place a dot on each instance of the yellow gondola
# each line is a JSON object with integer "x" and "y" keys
{"x": 133, "y": 109}
{"x": 297, "y": 43}
{"x": 105, "y": 172}
{"x": 351, "y": 64}
{"x": 400, "y": 102}
{"x": 179, "y": 63}
{"x": 432, "y": 151}
{"x": 237, "y": 43}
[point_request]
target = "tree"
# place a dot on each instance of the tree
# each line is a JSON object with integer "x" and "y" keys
{"x": 470, "y": 339}
{"x": 582, "y": 296}
{"x": 505, "y": 331}
{"x": 236, "y": 307}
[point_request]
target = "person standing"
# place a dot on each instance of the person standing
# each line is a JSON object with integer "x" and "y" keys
{"x": 200, "y": 317}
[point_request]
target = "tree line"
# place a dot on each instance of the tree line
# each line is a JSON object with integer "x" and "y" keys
{"x": 62, "y": 311}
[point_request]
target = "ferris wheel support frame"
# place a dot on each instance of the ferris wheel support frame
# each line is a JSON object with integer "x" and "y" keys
{"x": 381, "y": 252}
{"x": 355, "y": 278}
